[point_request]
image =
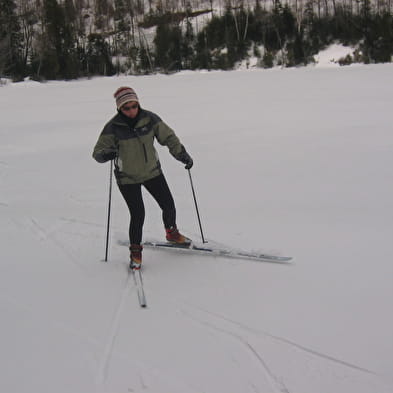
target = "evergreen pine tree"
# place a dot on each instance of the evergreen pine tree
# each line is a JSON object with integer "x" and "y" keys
{"x": 11, "y": 59}
{"x": 58, "y": 56}
{"x": 168, "y": 47}
{"x": 187, "y": 51}
{"x": 98, "y": 60}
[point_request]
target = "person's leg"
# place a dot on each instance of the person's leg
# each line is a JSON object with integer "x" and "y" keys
{"x": 132, "y": 194}
{"x": 159, "y": 189}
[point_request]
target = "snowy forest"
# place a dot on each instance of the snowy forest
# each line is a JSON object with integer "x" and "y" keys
{"x": 67, "y": 39}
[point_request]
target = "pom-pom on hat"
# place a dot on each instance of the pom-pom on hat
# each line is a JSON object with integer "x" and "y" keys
{"x": 124, "y": 94}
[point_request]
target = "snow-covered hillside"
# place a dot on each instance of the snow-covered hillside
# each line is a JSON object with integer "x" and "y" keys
{"x": 295, "y": 161}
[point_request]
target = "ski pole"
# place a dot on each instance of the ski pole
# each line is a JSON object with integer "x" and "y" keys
{"x": 109, "y": 212}
{"x": 196, "y": 206}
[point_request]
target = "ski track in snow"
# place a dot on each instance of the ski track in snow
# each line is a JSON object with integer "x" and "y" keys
{"x": 289, "y": 342}
{"x": 75, "y": 220}
{"x": 110, "y": 341}
{"x": 275, "y": 382}
{"x": 45, "y": 235}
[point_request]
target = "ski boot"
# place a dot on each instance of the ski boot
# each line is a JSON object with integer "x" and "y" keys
{"x": 173, "y": 236}
{"x": 135, "y": 256}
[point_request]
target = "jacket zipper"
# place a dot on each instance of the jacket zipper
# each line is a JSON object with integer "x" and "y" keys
{"x": 143, "y": 145}
{"x": 144, "y": 151}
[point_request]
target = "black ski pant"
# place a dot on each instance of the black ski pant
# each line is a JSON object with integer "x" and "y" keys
{"x": 132, "y": 193}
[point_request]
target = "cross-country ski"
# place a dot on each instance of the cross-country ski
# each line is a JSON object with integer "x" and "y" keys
{"x": 218, "y": 252}
{"x": 138, "y": 280}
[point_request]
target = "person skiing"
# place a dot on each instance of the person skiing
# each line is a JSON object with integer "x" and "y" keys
{"x": 128, "y": 139}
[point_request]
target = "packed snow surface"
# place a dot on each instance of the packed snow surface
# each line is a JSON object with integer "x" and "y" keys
{"x": 292, "y": 162}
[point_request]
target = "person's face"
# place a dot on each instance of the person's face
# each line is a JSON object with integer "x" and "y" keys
{"x": 130, "y": 109}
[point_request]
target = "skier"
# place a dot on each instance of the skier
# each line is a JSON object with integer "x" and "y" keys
{"x": 128, "y": 138}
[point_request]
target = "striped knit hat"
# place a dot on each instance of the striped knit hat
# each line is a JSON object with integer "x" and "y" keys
{"x": 124, "y": 94}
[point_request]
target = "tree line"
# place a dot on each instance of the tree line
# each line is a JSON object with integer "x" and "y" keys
{"x": 49, "y": 39}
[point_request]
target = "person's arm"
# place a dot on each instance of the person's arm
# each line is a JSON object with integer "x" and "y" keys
{"x": 167, "y": 137}
{"x": 106, "y": 146}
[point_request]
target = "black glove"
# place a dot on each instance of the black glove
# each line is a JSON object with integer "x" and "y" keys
{"x": 108, "y": 156}
{"x": 185, "y": 158}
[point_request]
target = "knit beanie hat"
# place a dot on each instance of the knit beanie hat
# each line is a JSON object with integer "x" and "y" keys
{"x": 124, "y": 94}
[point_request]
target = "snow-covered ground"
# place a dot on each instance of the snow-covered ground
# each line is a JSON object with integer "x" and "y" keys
{"x": 295, "y": 161}
{"x": 330, "y": 56}
{"x": 327, "y": 58}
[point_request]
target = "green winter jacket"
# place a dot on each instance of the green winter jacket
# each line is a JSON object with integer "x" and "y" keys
{"x": 137, "y": 160}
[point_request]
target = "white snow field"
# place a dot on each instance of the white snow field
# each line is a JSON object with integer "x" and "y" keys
{"x": 293, "y": 162}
